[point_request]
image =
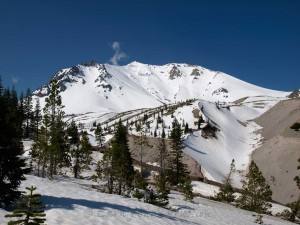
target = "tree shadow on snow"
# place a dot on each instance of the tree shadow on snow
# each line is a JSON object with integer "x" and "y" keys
{"x": 52, "y": 202}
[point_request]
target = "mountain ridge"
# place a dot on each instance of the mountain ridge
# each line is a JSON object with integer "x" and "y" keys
{"x": 105, "y": 85}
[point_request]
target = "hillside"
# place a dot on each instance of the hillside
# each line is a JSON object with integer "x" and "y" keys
{"x": 277, "y": 156}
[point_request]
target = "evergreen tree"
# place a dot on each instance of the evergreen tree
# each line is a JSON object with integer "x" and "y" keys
{"x": 41, "y": 147}
{"x": 28, "y": 113}
{"x": 53, "y": 109}
{"x": 36, "y": 119}
{"x": 155, "y": 133}
{"x": 116, "y": 167}
{"x": 186, "y": 128}
{"x": 226, "y": 192}
{"x": 81, "y": 155}
{"x": 141, "y": 143}
{"x": 162, "y": 148}
{"x": 163, "y": 134}
{"x": 30, "y": 209}
{"x": 12, "y": 166}
{"x": 256, "y": 192}
{"x": 99, "y": 135}
{"x": 162, "y": 198}
{"x": 187, "y": 189}
{"x": 176, "y": 169}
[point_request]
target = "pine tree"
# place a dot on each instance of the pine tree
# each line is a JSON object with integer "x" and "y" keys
{"x": 176, "y": 169}
{"x": 53, "y": 109}
{"x": 162, "y": 148}
{"x": 226, "y": 192}
{"x": 41, "y": 147}
{"x": 162, "y": 197}
{"x": 187, "y": 189}
{"x": 12, "y": 166}
{"x": 116, "y": 167}
{"x": 186, "y": 128}
{"x": 30, "y": 209}
{"x": 256, "y": 192}
{"x": 99, "y": 135}
{"x": 163, "y": 134}
{"x": 36, "y": 119}
{"x": 28, "y": 113}
{"x": 81, "y": 155}
{"x": 141, "y": 143}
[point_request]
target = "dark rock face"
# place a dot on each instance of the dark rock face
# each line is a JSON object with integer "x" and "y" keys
{"x": 219, "y": 91}
{"x": 195, "y": 72}
{"x": 294, "y": 94}
{"x": 174, "y": 72}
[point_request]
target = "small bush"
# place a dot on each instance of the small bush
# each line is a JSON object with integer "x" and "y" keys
{"x": 295, "y": 126}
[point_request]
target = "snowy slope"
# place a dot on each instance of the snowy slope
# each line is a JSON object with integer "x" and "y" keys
{"x": 93, "y": 87}
{"x": 73, "y": 201}
{"x": 104, "y": 93}
{"x": 235, "y": 139}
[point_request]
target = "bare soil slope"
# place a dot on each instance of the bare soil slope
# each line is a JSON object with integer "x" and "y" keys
{"x": 280, "y": 149}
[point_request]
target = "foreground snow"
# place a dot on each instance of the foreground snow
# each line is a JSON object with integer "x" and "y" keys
{"x": 70, "y": 201}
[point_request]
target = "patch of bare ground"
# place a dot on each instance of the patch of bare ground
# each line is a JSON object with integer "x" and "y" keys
{"x": 280, "y": 149}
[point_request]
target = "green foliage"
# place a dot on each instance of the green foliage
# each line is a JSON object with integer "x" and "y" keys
{"x": 81, "y": 155}
{"x": 28, "y": 113}
{"x": 161, "y": 199}
{"x": 187, "y": 189}
{"x": 30, "y": 209}
{"x": 256, "y": 192}
{"x": 295, "y": 126}
{"x": 163, "y": 134}
{"x": 141, "y": 143}
{"x": 292, "y": 215}
{"x": 226, "y": 193}
{"x": 116, "y": 168}
{"x": 139, "y": 181}
{"x": 259, "y": 219}
{"x": 50, "y": 148}
{"x": 99, "y": 135}
{"x": 176, "y": 169}
{"x": 12, "y": 166}
{"x": 186, "y": 128}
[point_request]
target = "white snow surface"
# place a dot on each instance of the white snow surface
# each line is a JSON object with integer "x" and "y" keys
{"x": 107, "y": 88}
{"x": 72, "y": 201}
{"x": 235, "y": 139}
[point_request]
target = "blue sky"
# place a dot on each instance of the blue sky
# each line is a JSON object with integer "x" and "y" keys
{"x": 256, "y": 41}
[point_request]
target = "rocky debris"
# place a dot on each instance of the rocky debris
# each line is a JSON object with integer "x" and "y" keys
{"x": 294, "y": 94}
{"x": 220, "y": 91}
{"x": 174, "y": 72}
{"x": 195, "y": 72}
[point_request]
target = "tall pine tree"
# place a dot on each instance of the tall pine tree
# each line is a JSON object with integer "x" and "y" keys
{"x": 176, "y": 168}
{"x": 12, "y": 166}
{"x": 256, "y": 192}
{"x": 116, "y": 167}
{"x": 226, "y": 193}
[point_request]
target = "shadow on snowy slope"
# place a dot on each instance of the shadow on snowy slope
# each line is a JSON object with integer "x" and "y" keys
{"x": 52, "y": 202}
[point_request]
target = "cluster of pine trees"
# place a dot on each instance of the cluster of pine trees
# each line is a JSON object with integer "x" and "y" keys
{"x": 116, "y": 173}
{"x": 12, "y": 166}
{"x": 59, "y": 144}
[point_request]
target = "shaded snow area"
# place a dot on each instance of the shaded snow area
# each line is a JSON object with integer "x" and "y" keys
{"x": 235, "y": 139}
{"x": 71, "y": 202}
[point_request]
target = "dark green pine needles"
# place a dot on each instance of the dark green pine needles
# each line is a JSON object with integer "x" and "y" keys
{"x": 30, "y": 209}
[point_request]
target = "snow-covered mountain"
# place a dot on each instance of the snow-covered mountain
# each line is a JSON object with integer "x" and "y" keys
{"x": 104, "y": 94}
{"x": 92, "y": 87}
